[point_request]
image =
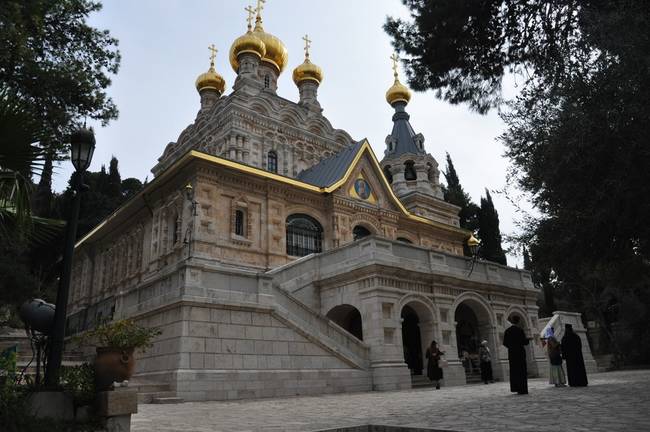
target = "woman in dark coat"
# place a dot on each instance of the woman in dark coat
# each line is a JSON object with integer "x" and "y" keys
{"x": 572, "y": 353}
{"x": 434, "y": 371}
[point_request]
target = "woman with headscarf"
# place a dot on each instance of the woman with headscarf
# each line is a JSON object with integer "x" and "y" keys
{"x": 434, "y": 371}
{"x": 485, "y": 358}
{"x": 556, "y": 371}
{"x": 572, "y": 353}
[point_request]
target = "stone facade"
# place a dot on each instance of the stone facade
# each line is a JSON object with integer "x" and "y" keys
{"x": 280, "y": 257}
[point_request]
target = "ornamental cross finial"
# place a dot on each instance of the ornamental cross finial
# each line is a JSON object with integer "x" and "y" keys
{"x": 307, "y": 45}
{"x": 213, "y": 54}
{"x": 395, "y": 59}
{"x": 251, "y": 12}
{"x": 258, "y": 9}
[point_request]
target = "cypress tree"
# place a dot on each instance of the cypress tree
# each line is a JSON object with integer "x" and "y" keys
{"x": 455, "y": 194}
{"x": 489, "y": 233}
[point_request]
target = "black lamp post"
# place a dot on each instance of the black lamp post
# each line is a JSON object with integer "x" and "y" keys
{"x": 82, "y": 146}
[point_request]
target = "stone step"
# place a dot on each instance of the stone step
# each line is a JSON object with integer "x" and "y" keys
{"x": 148, "y": 397}
{"x": 167, "y": 400}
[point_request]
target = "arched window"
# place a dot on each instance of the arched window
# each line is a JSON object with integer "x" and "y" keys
{"x": 267, "y": 81}
{"x": 272, "y": 161}
{"x": 388, "y": 174}
{"x": 304, "y": 235}
{"x": 409, "y": 171}
{"x": 240, "y": 223}
{"x": 360, "y": 232}
{"x": 404, "y": 240}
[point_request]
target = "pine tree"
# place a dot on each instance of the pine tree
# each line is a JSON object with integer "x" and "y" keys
{"x": 489, "y": 233}
{"x": 114, "y": 180}
{"x": 455, "y": 194}
{"x": 528, "y": 265}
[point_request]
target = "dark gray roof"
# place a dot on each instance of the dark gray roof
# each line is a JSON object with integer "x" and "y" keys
{"x": 403, "y": 134}
{"x": 330, "y": 170}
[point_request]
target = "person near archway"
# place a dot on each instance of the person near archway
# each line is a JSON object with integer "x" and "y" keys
{"x": 485, "y": 358}
{"x": 515, "y": 339}
{"x": 434, "y": 371}
{"x": 572, "y": 353}
{"x": 556, "y": 371}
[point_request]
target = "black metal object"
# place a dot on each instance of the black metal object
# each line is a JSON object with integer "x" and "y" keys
{"x": 304, "y": 235}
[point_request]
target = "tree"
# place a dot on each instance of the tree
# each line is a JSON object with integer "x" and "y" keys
{"x": 489, "y": 233}
{"x": 455, "y": 194}
{"x": 576, "y": 135}
{"x": 59, "y": 66}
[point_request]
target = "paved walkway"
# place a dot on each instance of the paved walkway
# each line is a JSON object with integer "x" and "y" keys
{"x": 615, "y": 401}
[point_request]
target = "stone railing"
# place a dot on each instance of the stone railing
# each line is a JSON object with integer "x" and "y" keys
{"x": 376, "y": 250}
{"x": 327, "y": 332}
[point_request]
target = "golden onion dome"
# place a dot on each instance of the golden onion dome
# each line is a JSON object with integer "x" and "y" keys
{"x": 398, "y": 92}
{"x": 246, "y": 43}
{"x": 211, "y": 80}
{"x": 276, "y": 53}
{"x": 307, "y": 71}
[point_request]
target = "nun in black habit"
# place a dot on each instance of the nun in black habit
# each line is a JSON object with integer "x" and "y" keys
{"x": 572, "y": 353}
{"x": 515, "y": 339}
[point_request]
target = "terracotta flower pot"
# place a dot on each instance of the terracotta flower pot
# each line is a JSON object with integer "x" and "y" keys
{"x": 113, "y": 365}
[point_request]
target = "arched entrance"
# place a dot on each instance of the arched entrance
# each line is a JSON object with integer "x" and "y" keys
{"x": 417, "y": 334}
{"x": 531, "y": 364}
{"x": 348, "y": 317}
{"x": 474, "y": 325}
{"x": 359, "y": 232}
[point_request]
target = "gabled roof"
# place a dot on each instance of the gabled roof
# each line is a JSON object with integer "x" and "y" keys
{"x": 329, "y": 170}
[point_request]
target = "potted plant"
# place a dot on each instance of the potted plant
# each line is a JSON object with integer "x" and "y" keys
{"x": 116, "y": 343}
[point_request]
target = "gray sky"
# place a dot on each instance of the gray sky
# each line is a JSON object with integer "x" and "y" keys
{"x": 164, "y": 47}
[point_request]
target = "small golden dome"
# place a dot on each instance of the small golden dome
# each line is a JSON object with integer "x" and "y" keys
{"x": 246, "y": 43}
{"x": 211, "y": 80}
{"x": 276, "y": 53}
{"x": 398, "y": 92}
{"x": 307, "y": 71}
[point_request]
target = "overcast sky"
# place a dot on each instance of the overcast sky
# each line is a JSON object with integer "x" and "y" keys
{"x": 164, "y": 46}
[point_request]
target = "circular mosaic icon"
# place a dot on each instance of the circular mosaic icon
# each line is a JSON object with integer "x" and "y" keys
{"x": 362, "y": 188}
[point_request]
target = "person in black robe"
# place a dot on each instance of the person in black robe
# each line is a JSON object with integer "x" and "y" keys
{"x": 515, "y": 339}
{"x": 434, "y": 371}
{"x": 572, "y": 353}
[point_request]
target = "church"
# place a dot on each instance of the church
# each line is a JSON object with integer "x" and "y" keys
{"x": 279, "y": 256}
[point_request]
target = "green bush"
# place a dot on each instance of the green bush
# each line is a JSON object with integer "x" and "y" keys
{"x": 79, "y": 382}
{"x": 123, "y": 335}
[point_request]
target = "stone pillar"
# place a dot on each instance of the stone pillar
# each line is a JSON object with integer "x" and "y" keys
{"x": 115, "y": 408}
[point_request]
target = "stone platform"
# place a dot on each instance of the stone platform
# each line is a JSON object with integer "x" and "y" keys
{"x": 614, "y": 401}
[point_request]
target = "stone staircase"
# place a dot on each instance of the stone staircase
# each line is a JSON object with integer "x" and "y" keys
{"x": 153, "y": 392}
{"x": 421, "y": 381}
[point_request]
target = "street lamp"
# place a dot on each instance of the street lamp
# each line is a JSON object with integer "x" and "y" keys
{"x": 82, "y": 147}
{"x": 474, "y": 246}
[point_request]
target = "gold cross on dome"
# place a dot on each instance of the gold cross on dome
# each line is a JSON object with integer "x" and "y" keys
{"x": 307, "y": 45}
{"x": 213, "y": 54}
{"x": 395, "y": 59}
{"x": 251, "y": 12}
{"x": 258, "y": 9}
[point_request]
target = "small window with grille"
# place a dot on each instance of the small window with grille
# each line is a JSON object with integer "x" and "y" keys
{"x": 240, "y": 223}
{"x": 272, "y": 161}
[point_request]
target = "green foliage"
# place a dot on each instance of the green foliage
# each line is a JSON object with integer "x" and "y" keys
{"x": 79, "y": 382}
{"x": 123, "y": 335}
{"x": 57, "y": 63}
{"x": 489, "y": 232}
{"x": 106, "y": 192}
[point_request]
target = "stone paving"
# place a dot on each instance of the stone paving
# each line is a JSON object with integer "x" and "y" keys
{"x": 614, "y": 401}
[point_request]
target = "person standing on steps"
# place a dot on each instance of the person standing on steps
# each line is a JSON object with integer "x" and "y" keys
{"x": 515, "y": 339}
{"x": 434, "y": 371}
{"x": 485, "y": 357}
{"x": 572, "y": 353}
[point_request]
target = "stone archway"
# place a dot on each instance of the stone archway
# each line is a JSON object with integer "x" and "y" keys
{"x": 349, "y": 318}
{"x": 474, "y": 320}
{"x": 417, "y": 333}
